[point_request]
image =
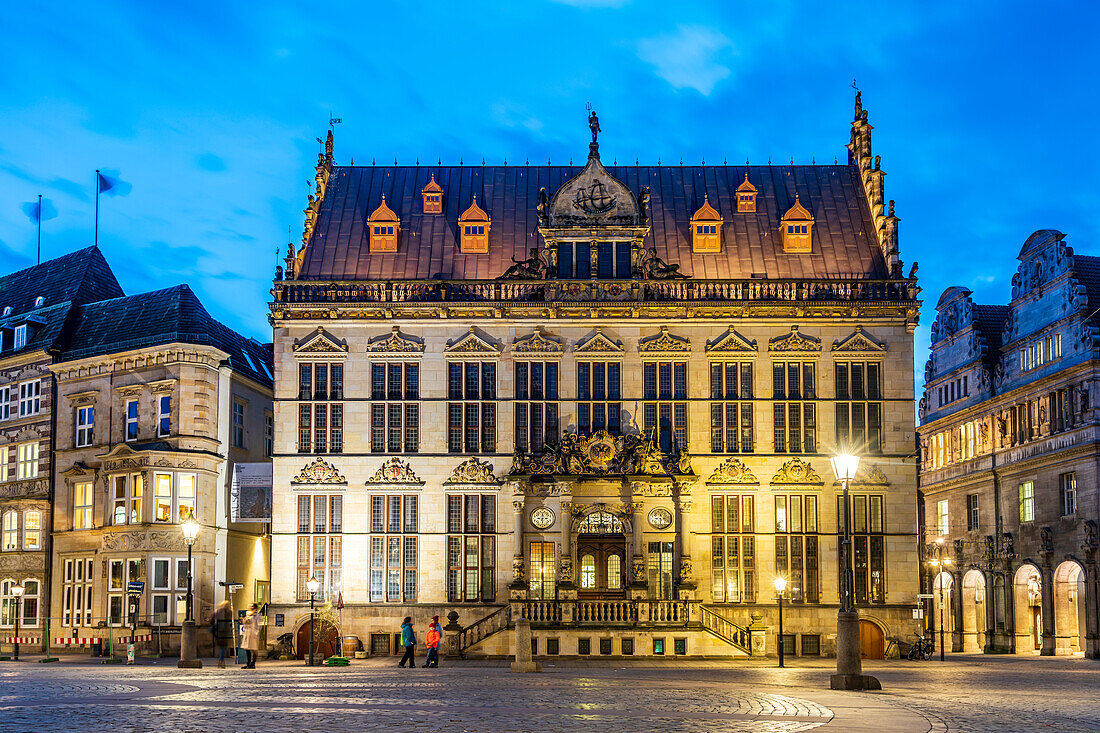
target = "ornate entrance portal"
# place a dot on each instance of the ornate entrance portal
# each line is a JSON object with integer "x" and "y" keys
{"x": 601, "y": 553}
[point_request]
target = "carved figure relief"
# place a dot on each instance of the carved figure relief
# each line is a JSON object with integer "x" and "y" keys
{"x": 795, "y": 342}
{"x": 395, "y": 471}
{"x": 796, "y": 471}
{"x": 664, "y": 342}
{"x": 395, "y": 343}
{"x": 538, "y": 343}
{"x": 732, "y": 471}
{"x": 473, "y": 471}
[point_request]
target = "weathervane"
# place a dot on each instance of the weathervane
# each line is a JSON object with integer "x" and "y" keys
{"x": 333, "y": 121}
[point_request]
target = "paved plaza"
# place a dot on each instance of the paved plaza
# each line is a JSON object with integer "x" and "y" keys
{"x": 967, "y": 693}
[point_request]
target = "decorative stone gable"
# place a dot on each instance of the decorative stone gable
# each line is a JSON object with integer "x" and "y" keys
{"x": 746, "y": 197}
{"x": 433, "y": 197}
{"x": 594, "y": 197}
{"x": 796, "y": 342}
{"x": 796, "y": 471}
{"x": 320, "y": 345}
{"x": 729, "y": 343}
{"x": 395, "y": 472}
{"x": 664, "y": 343}
{"x": 396, "y": 343}
{"x": 706, "y": 229}
{"x": 472, "y": 345}
{"x": 732, "y": 471}
{"x": 796, "y": 228}
{"x": 319, "y": 471}
{"x": 473, "y": 472}
{"x": 537, "y": 344}
{"x": 473, "y": 230}
{"x": 598, "y": 344}
{"x": 384, "y": 228}
{"x": 860, "y": 343}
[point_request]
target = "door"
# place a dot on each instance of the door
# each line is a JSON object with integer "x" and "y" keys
{"x": 872, "y": 643}
{"x": 323, "y": 643}
{"x": 601, "y": 567}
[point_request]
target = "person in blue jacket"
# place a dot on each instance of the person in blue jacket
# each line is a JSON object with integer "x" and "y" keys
{"x": 408, "y": 640}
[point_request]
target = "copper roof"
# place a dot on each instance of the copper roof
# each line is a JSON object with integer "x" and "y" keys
{"x": 844, "y": 242}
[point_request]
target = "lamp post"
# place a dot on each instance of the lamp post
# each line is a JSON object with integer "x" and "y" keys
{"x": 188, "y": 654}
{"x": 17, "y": 591}
{"x": 938, "y": 562}
{"x": 780, "y": 586}
{"x": 849, "y": 667}
{"x": 311, "y": 585}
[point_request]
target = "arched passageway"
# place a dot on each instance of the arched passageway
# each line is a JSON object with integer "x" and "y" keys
{"x": 1069, "y": 608}
{"x": 941, "y": 608}
{"x": 973, "y": 611}
{"x": 1028, "y": 597}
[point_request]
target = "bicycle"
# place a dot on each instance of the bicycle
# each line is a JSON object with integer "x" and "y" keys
{"x": 922, "y": 649}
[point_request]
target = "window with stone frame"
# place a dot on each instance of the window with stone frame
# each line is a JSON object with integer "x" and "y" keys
{"x": 1027, "y": 501}
{"x": 11, "y": 605}
{"x": 599, "y": 396}
{"x": 83, "y": 500}
{"x": 5, "y": 456}
{"x": 174, "y": 496}
{"x": 5, "y": 403}
{"x": 320, "y": 545}
{"x": 127, "y": 496}
{"x": 665, "y": 406}
{"x": 542, "y": 570}
{"x": 26, "y": 461}
{"x": 794, "y": 389}
{"x": 9, "y": 531}
{"x": 32, "y": 530}
{"x": 76, "y": 591}
{"x": 85, "y": 424}
{"x": 731, "y": 418}
{"x": 269, "y": 435}
{"x": 30, "y": 398}
{"x": 733, "y": 548}
{"x": 238, "y": 424}
{"x": 859, "y": 406}
{"x": 130, "y": 421}
{"x": 471, "y": 407}
{"x": 394, "y": 545}
{"x": 167, "y": 590}
{"x": 120, "y": 572}
{"x": 868, "y": 560}
{"x": 796, "y": 546}
{"x": 1067, "y": 484}
{"x": 972, "y": 515}
{"x": 471, "y": 547}
{"x": 395, "y": 407}
{"x": 320, "y": 408}
{"x": 164, "y": 416}
{"x": 536, "y": 405}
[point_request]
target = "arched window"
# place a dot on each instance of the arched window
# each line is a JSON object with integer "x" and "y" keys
{"x": 9, "y": 536}
{"x": 588, "y": 571}
{"x": 32, "y": 530}
{"x": 614, "y": 572}
{"x": 39, "y": 301}
{"x": 601, "y": 522}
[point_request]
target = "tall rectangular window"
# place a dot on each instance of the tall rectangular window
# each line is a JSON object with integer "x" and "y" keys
{"x": 733, "y": 548}
{"x": 82, "y": 505}
{"x": 76, "y": 592}
{"x": 796, "y": 546}
{"x": 238, "y": 424}
{"x": 127, "y": 496}
{"x": 269, "y": 434}
{"x": 1027, "y": 501}
{"x": 167, "y": 590}
{"x": 164, "y": 416}
{"x": 794, "y": 412}
{"x": 30, "y": 397}
{"x": 543, "y": 570}
{"x": 5, "y": 403}
{"x": 471, "y": 547}
{"x": 536, "y": 405}
{"x": 868, "y": 560}
{"x": 471, "y": 411}
{"x": 85, "y": 420}
{"x": 174, "y": 497}
{"x": 859, "y": 406}
{"x": 395, "y": 407}
{"x": 320, "y": 545}
{"x": 943, "y": 517}
{"x": 131, "y": 421}
{"x": 26, "y": 461}
{"x": 320, "y": 412}
{"x": 665, "y": 407}
{"x": 972, "y": 517}
{"x": 394, "y": 524}
{"x": 731, "y": 417}
{"x": 599, "y": 395}
{"x": 1068, "y": 485}
{"x": 659, "y": 570}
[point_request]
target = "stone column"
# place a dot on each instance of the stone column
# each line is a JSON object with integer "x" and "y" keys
{"x": 957, "y": 610}
{"x": 685, "y": 587}
{"x": 567, "y": 587}
{"x": 518, "y": 588}
{"x": 1047, "y": 599}
{"x": 1008, "y": 636}
{"x": 1092, "y": 628}
{"x": 638, "y": 588}
{"x": 990, "y": 645}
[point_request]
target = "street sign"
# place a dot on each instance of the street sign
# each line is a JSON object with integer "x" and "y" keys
{"x": 135, "y": 586}
{"x": 233, "y": 587}
{"x": 929, "y": 596}
{"x": 918, "y": 613}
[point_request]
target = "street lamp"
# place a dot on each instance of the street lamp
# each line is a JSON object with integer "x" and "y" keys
{"x": 849, "y": 667}
{"x": 311, "y": 585}
{"x": 17, "y": 591}
{"x": 188, "y": 654}
{"x": 939, "y": 561}
{"x": 780, "y": 586}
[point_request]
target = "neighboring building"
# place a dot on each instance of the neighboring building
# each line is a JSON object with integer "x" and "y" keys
{"x": 601, "y": 397}
{"x": 156, "y": 403}
{"x": 1009, "y": 445}
{"x": 36, "y": 310}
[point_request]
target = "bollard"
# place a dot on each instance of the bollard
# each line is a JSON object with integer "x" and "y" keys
{"x": 524, "y": 661}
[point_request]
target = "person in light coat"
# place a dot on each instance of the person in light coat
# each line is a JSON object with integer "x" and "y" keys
{"x": 250, "y": 635}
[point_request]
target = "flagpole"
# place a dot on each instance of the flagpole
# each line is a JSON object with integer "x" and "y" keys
{"x": 97, "y": 207}
{"x": 39, "y": 229}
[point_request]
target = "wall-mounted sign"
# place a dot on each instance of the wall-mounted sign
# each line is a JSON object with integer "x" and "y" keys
{"x": 250, "y": 492}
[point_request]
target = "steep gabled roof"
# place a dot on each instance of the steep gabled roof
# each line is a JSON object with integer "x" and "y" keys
{"x": 172, "y": 315}
{"x": 79, "y": 277}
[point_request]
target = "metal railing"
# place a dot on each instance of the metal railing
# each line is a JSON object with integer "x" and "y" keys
{"x": 725, "y": 629}
{"x": 496, "y": 621}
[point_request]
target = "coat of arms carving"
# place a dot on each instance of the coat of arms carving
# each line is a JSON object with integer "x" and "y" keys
{"x": 732, "y": 471}
{"x": 795, "y": 341}
{"x": 319, "y": 472}
{"x": 395, "y": 471}
{"x": 473, "y": 471}
{"x": 796, "y": 471}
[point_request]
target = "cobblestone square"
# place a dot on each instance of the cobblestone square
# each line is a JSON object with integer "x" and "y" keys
{"x": 967, "y": 693}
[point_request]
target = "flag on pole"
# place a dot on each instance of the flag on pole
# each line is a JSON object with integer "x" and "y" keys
{"x": 110, "y": 184}
{"x": 40, "y": 211}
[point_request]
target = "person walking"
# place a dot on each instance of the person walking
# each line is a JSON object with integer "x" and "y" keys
{"x": 250, "y": 635}
{"x": 221, "y": 628}
{"x": 408, "y": 640}
{"x": 432, "y": 640}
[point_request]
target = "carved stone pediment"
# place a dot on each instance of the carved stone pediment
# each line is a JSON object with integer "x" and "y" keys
{"x": 472, "y": 345}
{"x": 79, "y": 399}
{"x": 395, "y": 471}
{"x": 396, "y": 343}
{"x": 473, "y": 471}
{"x": 732, "y": 471}
{"x": 319, "y": 471}
{"x": 731, "y": 342}
{"x": 664, "y": 343}
{"x": 868, "y": 474}
{"x": 594, "y": 197}
{"x": 537, "y": 344}
{"x": 796, "y": 471}
{"x": 321, "y": 344}
{"x": 795, "y": 342}
{"x": 598, "y": 343}
{"x": 860, "y": 342}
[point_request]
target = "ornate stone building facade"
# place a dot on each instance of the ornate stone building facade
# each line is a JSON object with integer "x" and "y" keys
{"x": 602, "y": 398}
{"x": 1009, "y": 441}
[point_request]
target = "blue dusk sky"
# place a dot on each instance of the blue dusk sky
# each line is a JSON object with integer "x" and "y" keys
{"x": 984, "y": 113}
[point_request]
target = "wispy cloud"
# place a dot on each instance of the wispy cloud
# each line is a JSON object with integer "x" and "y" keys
{"x": 689, "y": 58}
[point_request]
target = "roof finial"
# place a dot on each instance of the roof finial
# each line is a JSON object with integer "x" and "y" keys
{"x": 505, "y": 160}
{"x": 395, "y": 161}
{"x": 418, "y": 161}
{"x": 658, "y": 160}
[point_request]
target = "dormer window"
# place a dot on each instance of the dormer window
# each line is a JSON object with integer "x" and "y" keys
{"x": 706, "y": 229}
{"x": 797, "y": 229}
{"x": 433, "y": 197}
{"x": 473, "y": 229}
{"x": 7, "y": 310}
{"x": 384, "y": 227}
{"x": 20, "y": 337}
{"x": 746, "y": 197}
{"x": 39, "y": 301}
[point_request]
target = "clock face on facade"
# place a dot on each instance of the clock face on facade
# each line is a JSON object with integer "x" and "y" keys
{"x": 542, "y": 517}
{"x": 660, "y": 518}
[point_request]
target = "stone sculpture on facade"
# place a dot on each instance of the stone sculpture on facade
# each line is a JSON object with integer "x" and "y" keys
{"x": 601, "y": 453}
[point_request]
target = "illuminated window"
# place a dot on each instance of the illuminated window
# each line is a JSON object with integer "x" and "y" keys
{"x": 706, "y": 228}
{"x": 588, "y": 572}
{"x": 384, "y": 227}
{"x": 943, "y": 517}
{"x": 433, "y": 197}
{"x": 797, "y": 228}
{"x": 1027, "y": 501}
{"x": 82, "y": 505}
{"x": 746, "y": 197}
{"x": 473, "y": 227}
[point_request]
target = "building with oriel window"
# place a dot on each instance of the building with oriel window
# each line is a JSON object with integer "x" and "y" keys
{"x": 599, "y": 397}
{"x": 1009, "y": 436}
